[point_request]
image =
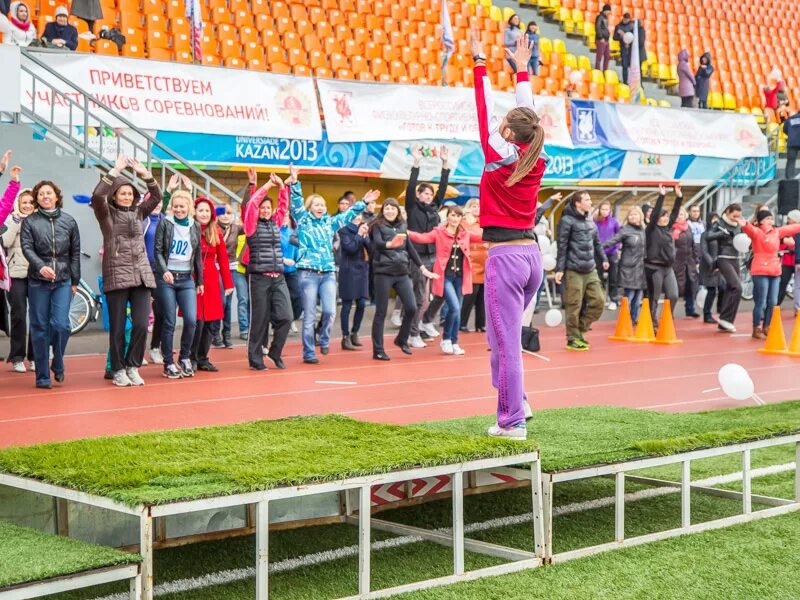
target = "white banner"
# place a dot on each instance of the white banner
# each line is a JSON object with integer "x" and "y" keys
{"x": 176, "y": 97}
{"x": 9, "y": 75}
{"x": 366, "y": 112}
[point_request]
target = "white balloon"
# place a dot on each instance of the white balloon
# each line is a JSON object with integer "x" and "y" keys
{"x": 576, "y": 77}
{"x": 548, "y": 262}
{"x": 544, "y": 244}
{"x": 735, "y": 381}
{"x": 554, "y": 250}
{"x": 741, "y": 242}
{"x": 540, "y": 230}
{"x": 553, "y": 317}
{"x": 628, "y": 37}
{"x": 701, "y": 296}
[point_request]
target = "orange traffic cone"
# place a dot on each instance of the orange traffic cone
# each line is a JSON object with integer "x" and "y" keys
{"x": 624, "y": 330}
{"x": 776, "y": 339}
{"x": 644, "y": 328}
{"x": 794, "y": 345}
{"x": 666, "y": 326}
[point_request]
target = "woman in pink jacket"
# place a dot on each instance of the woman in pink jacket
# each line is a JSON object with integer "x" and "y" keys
{"x": 766, "y": 266}
{"x": 454, "y": 268}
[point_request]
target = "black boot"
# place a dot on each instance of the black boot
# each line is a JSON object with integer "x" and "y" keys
{"x": 226, "y": 339}
{"x": 216, "y": 341}
{"x": 354, "y": 339}
{"x": 347, "y": 344}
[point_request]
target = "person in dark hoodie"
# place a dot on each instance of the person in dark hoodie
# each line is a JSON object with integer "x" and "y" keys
{"x": 686, "y": 80}
{"x": 631, "y": 238}
{"x": 702, "y": 80}
{"x": 723, "y": 233}
{"x": 61, "y": 34}
{"x": 709, "y": 274}
{"x": 422, "y": 212}
{"x": 625, "y": 49}
{"x": 660, "y": 252}
{"x": 602, "y": 33}
{"x": 127, "y": 276}
{"x": 579, "y": 253}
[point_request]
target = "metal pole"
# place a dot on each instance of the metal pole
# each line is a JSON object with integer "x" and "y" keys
{"x": 262, "y": 550}
{"x": 458, "y": 523}
{"x": 797, "y": 473}
{"x": 686, "y": 494}
{"x": 746, "y": 487}
{"x": 85, "y": 131}
{"x": 364, "y": 539}
{"x": 146, "y": 550}
{"x": 547, "y": 516}
{"x": 619, "y": 507}
{"x": 536, "y": 496}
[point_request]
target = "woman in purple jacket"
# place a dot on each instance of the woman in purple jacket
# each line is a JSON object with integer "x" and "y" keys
{"x": 607, "y": 227}
{"x": 686, "y": 81}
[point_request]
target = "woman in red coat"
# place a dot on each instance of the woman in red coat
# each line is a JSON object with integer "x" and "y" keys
{"x": 215, "y": 265}
{"x": 454, "y": 267}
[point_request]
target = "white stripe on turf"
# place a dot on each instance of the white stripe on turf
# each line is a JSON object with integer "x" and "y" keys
{"x": 310, "y": 560}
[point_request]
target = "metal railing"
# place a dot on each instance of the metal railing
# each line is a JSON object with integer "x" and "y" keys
{"x": 98, "y": 133}
{"x": 741, "y": 179}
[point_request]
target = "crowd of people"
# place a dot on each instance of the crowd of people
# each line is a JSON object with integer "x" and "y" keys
{"x": 671, "y": 254}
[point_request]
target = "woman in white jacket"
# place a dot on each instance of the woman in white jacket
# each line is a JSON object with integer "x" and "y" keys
{"x": 18, "y": 294}
{"x": 17, "y": 28}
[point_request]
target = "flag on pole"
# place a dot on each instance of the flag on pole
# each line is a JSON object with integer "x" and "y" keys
{"x": 195, "y": 16}
{"x": 448, "y": 41}
{"x": 635, "y": 74}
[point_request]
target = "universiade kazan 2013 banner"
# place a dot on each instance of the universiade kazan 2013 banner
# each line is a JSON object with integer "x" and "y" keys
{"x": 666, "y": 131}
{"x": 366, "y": 112}
{"x": 177, "y": 97}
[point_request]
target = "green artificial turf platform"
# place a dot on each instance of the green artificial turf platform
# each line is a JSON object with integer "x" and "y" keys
{"x": 29, "y": 555}
{"x": 571, "y": 438}
{"x": 190, "y": 464}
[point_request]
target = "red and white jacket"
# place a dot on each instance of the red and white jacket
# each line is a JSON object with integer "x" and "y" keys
{"x": 501, "y": 206}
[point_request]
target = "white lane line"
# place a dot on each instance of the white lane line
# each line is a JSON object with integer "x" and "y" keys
{"x": 537, "y": 355}
{"x": 338, "y": 382}
{"x": 309, "y": 560}
{"x": 709, "y": 390}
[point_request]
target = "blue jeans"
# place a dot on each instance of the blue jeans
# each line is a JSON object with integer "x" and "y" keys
{"x": 48, "y": 307}
{"x": 181, "y": 294}
{"x": 634, "y": 302}
{"x": 453, "y": 299}
{"x": 242, "y": 302}
{"x": 533, "y": 65}
{"x": 315, "y": 285}
{"x": 765, "y": 297}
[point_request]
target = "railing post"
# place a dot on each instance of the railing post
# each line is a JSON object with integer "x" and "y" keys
{"x": 458, "y": 523}
{"x": 797, "y": 472}
{"x": 262, "y": 550}
{"x": 85, "y": 131}
{"x": 364, "y": 539}
{"x": 686, "y": 494}
{"x": 619, "y": 507}
{"x": 746, "y": 483}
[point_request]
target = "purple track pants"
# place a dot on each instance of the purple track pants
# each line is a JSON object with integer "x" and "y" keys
{"x": 513, "y": 274}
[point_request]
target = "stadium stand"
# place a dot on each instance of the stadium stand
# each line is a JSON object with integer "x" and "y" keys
{"x": 747, "y": 41}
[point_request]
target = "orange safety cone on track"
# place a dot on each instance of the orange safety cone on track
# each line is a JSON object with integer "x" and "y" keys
{"x": 794, "y": 344}
{"x": 624, "y": 330}
{"x": 666, "y": 326}
{"x": 776, "y": 339}
{"x": 644, "y": 328}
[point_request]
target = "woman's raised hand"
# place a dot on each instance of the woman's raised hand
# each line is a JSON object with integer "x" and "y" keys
{"x": 662, "y": 190}
{"x": 15, "y": 171}
{"x": 121, "y": 163}
{"x": 475, "y": 43}
{"x": 276, "y": 181}
{"x": 372, "y": 196}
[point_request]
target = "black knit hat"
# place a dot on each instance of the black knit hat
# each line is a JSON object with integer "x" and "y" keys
{"x": 606, "y": 7}
{"x": 763, "y": 214}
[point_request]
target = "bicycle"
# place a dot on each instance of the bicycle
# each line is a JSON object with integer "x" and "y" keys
{"x": 86, "y": 306}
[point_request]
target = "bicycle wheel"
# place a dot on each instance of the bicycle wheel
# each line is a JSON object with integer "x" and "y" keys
{"x": 80, "y": 311}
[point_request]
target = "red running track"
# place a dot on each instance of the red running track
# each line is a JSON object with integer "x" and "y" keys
{"x": 428, "y": 385}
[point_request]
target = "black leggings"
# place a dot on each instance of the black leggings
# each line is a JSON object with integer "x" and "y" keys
{"x": 405, "y": 291}
{"x": 729, "y": 269}
{"x": 661, "y": 278}
{"x": 361, "y": 304}
{"x": 118, "y": 300}
{"x": 474, "y": 299}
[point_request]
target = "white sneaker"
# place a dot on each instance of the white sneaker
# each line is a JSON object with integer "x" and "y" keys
{"x": 156, "y": 357}
{"x": 32, "y": 367}
{"x": 527, "y": 408}
{"x": 19, "y": 367}
{"x": 612, "y": 306}
{"x": 726, "y": 325}
{"x": 293, "y": 328}
{"x": 397, "y": 318}
{"x": 121, "y": 379}
{"x": 458, "y": 350}
{"x": 517, "y": 433}
{"x": 429, "y": 329}
{"x": 416, "y": 342}
{"x": 133, "y": 376}
{"x": 447, "y": 347}
{"x": 264, "y": 351}
{"x": 144, "y": 362}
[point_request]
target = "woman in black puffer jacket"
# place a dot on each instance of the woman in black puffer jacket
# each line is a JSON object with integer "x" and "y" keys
{"x": 51, "y": 243}
{"x": 631, "y": 262}
{"x": 709, "y": 274}
{"x": 660, "y": 252}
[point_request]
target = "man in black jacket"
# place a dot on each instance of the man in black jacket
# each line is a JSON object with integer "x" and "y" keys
{"x": 602, "y": 34}
{"x": 791, "y": 127}
{"x": 422, "y": 213}
{"x": 625, "y": 49}
{"x": 579, "y": 252}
